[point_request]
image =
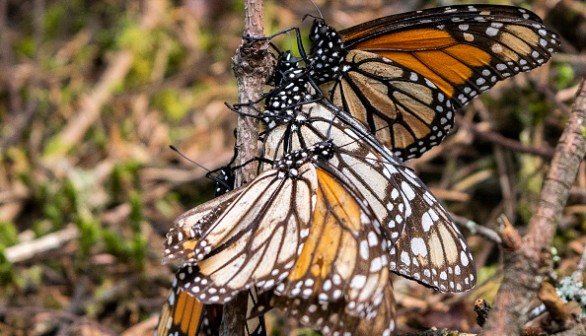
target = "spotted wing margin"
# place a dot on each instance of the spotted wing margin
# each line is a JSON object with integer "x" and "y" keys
{"x": 406, "y": 111}
{"x": 429, "y": 247}
{"x": 181, "y": 314}
{"x": 332, "y": 319}
{"x": 426, "y": 244}
{"x": 189, "y": 227}
{"x": 345, "y": 255}
{"x": 256, "y": 239}
{"x": 432, "y": 251}
{"x": 464, "y": 50}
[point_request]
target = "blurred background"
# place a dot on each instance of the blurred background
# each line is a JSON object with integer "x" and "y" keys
{"x": 92, "y": 93}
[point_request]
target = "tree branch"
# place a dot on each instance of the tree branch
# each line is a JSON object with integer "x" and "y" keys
{"x": 252, "y": 66}
{"x": 525, "y": 268}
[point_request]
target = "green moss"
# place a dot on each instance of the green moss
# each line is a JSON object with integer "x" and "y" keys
{"x": 8, "y": 234}
{"x": 54, "y": 215}
{"x": 90, "y": 231}
{"x": 114, "y": 243}
{"x": 138, "y": 251}
{"x": 55, "y": 147}
{"x": 124, "y": 177}
{"x": 165, "y": 204}
{"x": 99, "y": 138}
{"x": 136, "y": 213}
{"x": 54, "y": 16}
{"x": 32, "y": 277}
{"x": 7, "y": 275}
{"x": 485, "y": 273}
{"x": 174, "y": 104}
{"x": 565, "y": 76}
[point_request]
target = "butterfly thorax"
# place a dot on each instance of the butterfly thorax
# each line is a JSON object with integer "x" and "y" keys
{"x": 224, "y": 180}
{"x": 284, "y": 105}
{"x": 327, "y": 52}
{"x": 289, "y": 165}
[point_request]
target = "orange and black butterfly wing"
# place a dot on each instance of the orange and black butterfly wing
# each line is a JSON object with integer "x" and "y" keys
{"x": 464, "y": 50}
{"x": 405, "y": 110}
{"x": 402, "y": 76}
{"x": 181, "y": 315}
{"x": 345, "y": 255}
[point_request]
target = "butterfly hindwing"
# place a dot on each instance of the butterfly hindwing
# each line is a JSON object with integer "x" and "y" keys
{"x": 405, "y": 110}
{"x": 394, "y": 73}
{"x": 332, "y": 319}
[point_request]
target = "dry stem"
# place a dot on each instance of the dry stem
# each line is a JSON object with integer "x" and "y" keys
{"x": 524, "y": 268}
{"x": 251, "y": 65}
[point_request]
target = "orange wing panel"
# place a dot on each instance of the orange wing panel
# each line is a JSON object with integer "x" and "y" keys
{"x": 415, "y": 39}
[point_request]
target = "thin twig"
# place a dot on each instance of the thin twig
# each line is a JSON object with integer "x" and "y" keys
{"x": 498, "y": 139}
{"x": 251, "y": 65}
{"x": 524, "y": 268}
{"x": 27, "y": 250}
{"x": 477, "y": 229}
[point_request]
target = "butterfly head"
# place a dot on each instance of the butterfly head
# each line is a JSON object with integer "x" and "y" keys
{"x": 287, "y": 68}
{"x": 323, "y": 150}
{"x": 322, "y": 33}
{"x": 327, "y": 51}
{"x": 290, "y": 163}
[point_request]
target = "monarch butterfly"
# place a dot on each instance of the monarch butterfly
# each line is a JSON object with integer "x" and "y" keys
{"x": 270, "y": 232}
{"x": 403, "y": 76}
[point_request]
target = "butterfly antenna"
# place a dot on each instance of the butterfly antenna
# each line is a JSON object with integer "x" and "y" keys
{"x": 188, "y": 159}
{"x": 317, "y": 8}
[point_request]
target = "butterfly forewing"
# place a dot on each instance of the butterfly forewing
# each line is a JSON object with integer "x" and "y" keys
{"x": 189, "y": 227}
{"x": 256, "y": 239}
{"x": 345, "y": 255}
{"x": 464, "y": 50}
